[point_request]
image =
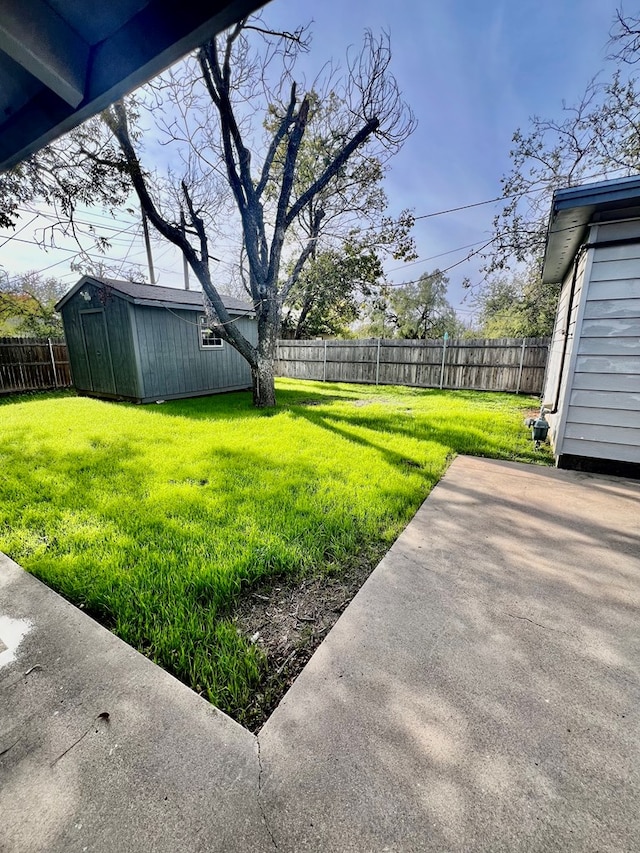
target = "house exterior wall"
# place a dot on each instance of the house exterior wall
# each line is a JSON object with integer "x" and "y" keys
{"x": 122, "y": 379}
{"x": 562, "y": 347}
{"x": 603, "y": 398}
{"x": 172, "y": 363}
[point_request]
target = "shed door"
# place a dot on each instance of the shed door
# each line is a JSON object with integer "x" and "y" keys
{"x": 98, "y": 353}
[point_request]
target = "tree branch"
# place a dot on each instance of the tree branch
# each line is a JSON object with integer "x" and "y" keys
{"x": 278, "y": 136}
{"x": 116, "y": 120}
{"x": 363, "y": 134}
{"x": 304, "y": 256}
{"x": 198, "y": 225}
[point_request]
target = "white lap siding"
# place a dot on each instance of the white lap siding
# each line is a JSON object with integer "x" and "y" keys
{"x": 603, "y": 413}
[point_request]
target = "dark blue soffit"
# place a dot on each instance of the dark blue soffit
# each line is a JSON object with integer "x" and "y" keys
{"x": 574, "y": 209}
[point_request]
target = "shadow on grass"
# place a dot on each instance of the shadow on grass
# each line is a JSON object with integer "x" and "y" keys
{"x": 159, "y": 543}
{"x": 314, "y": 405}
{"x": 161, "y": 556}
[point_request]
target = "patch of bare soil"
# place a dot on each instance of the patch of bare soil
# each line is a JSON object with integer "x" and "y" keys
{"x": 288, "y": 620}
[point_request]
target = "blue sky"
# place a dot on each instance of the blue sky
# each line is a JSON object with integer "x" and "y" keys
{"x": 472, "y": 72}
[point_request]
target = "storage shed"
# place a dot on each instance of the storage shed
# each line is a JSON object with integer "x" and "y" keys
{"x": 592, "y": 385}
{"x": 145, "y": 343}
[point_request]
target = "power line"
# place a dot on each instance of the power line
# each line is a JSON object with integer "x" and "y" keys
{"x": 19, "y": 231}
{"x": 531, "y": 191}
{"x": 74, "y": 252}
{"x": 83, "y": 221}
{"x": 133, "y": 239}
{"x": 433, "y": 257}
{"x": 467, "y": 257}
{"x": 468, "y": 206}
{"x": 446, "y": 269}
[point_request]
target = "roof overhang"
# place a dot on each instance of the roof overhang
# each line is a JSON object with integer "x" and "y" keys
{"x": 62, "y": 61}
{"x": 574, "y": 209}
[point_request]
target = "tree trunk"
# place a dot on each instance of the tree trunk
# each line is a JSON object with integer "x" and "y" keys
{"x": 263, "y": 368}
{"x": 263, "y": 376}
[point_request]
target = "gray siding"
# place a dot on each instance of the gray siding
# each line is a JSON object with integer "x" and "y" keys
{"x": 75, "y": 342}
{"x": 120, "y": 341}
{"x": 172, "y": 363}
{"x": 555, "y": 384}
{"x": 121, "y": 345}
{"x": 603, "y": 414}
{"x": 602, "y": 450}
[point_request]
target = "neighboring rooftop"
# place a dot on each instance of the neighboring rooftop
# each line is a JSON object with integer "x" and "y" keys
{"x": 153, "y": 294}
{"x": 574, "y": 208}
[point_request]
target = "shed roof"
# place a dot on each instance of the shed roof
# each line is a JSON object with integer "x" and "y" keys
{"x": 574, "y": 208}
{"x": 154, "y": 295}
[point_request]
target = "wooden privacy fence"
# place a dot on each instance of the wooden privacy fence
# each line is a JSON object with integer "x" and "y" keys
{"x": 33, "y": 364}
{"x": 504, "y": 364}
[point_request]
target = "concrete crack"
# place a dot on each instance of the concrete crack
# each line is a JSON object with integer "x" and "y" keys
{"x": 69, "y": 748}
{"x": 538, "y": 624}
{"x": 5, "y": 751}
{"x": 103, "y": 716}
{"x": 260, "y": 806}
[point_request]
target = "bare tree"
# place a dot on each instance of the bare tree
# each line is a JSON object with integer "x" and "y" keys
{"x": 261, "y": 166}
{"x": 595, "y": 139}
{"x": 552, "y": 154}
{"x": 625, "y": 37}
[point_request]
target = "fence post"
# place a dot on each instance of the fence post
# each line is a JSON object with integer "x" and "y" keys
{"x": 53, "y": 363}
{"x": 324, "y": 366}
{"x": 444, "y": 352}
{"x": 524, "y": 346}
{"x": 378, "y": 364}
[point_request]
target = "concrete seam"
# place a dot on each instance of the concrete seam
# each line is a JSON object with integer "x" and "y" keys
{"x": 260, "y": 805}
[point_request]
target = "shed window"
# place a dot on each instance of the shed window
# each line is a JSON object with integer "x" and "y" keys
{"x": 208, "y": 339}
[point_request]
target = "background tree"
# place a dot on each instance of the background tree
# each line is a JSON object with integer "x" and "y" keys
{"x": 593, "y": 140}
{"x": 415, "y": 310}
{"x": 217, "y": 105}
{"x": 328, "y": 295}
{"x": 516, "y": 305}
{"x": 27, "y": 305}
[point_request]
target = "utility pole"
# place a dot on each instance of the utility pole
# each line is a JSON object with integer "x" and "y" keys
{"x": 185, "y": 265}
{"x": 147, "y": 243}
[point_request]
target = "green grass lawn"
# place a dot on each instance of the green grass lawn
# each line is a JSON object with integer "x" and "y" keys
{"x": 156, "y": 519}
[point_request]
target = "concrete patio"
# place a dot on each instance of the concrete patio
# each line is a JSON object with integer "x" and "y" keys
{"x": 480, "y": 693}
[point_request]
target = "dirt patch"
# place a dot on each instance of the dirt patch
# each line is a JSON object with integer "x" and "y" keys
{"x": 288, "y": 620}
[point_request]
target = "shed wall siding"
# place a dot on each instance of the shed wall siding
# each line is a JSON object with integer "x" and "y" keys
{"x": 172, "y": 362}
{"x": 119, "y": 337}
{"x": 603, "y": 416}
{"x": 121, "y": 344}
{"x": 78, "y": 364}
